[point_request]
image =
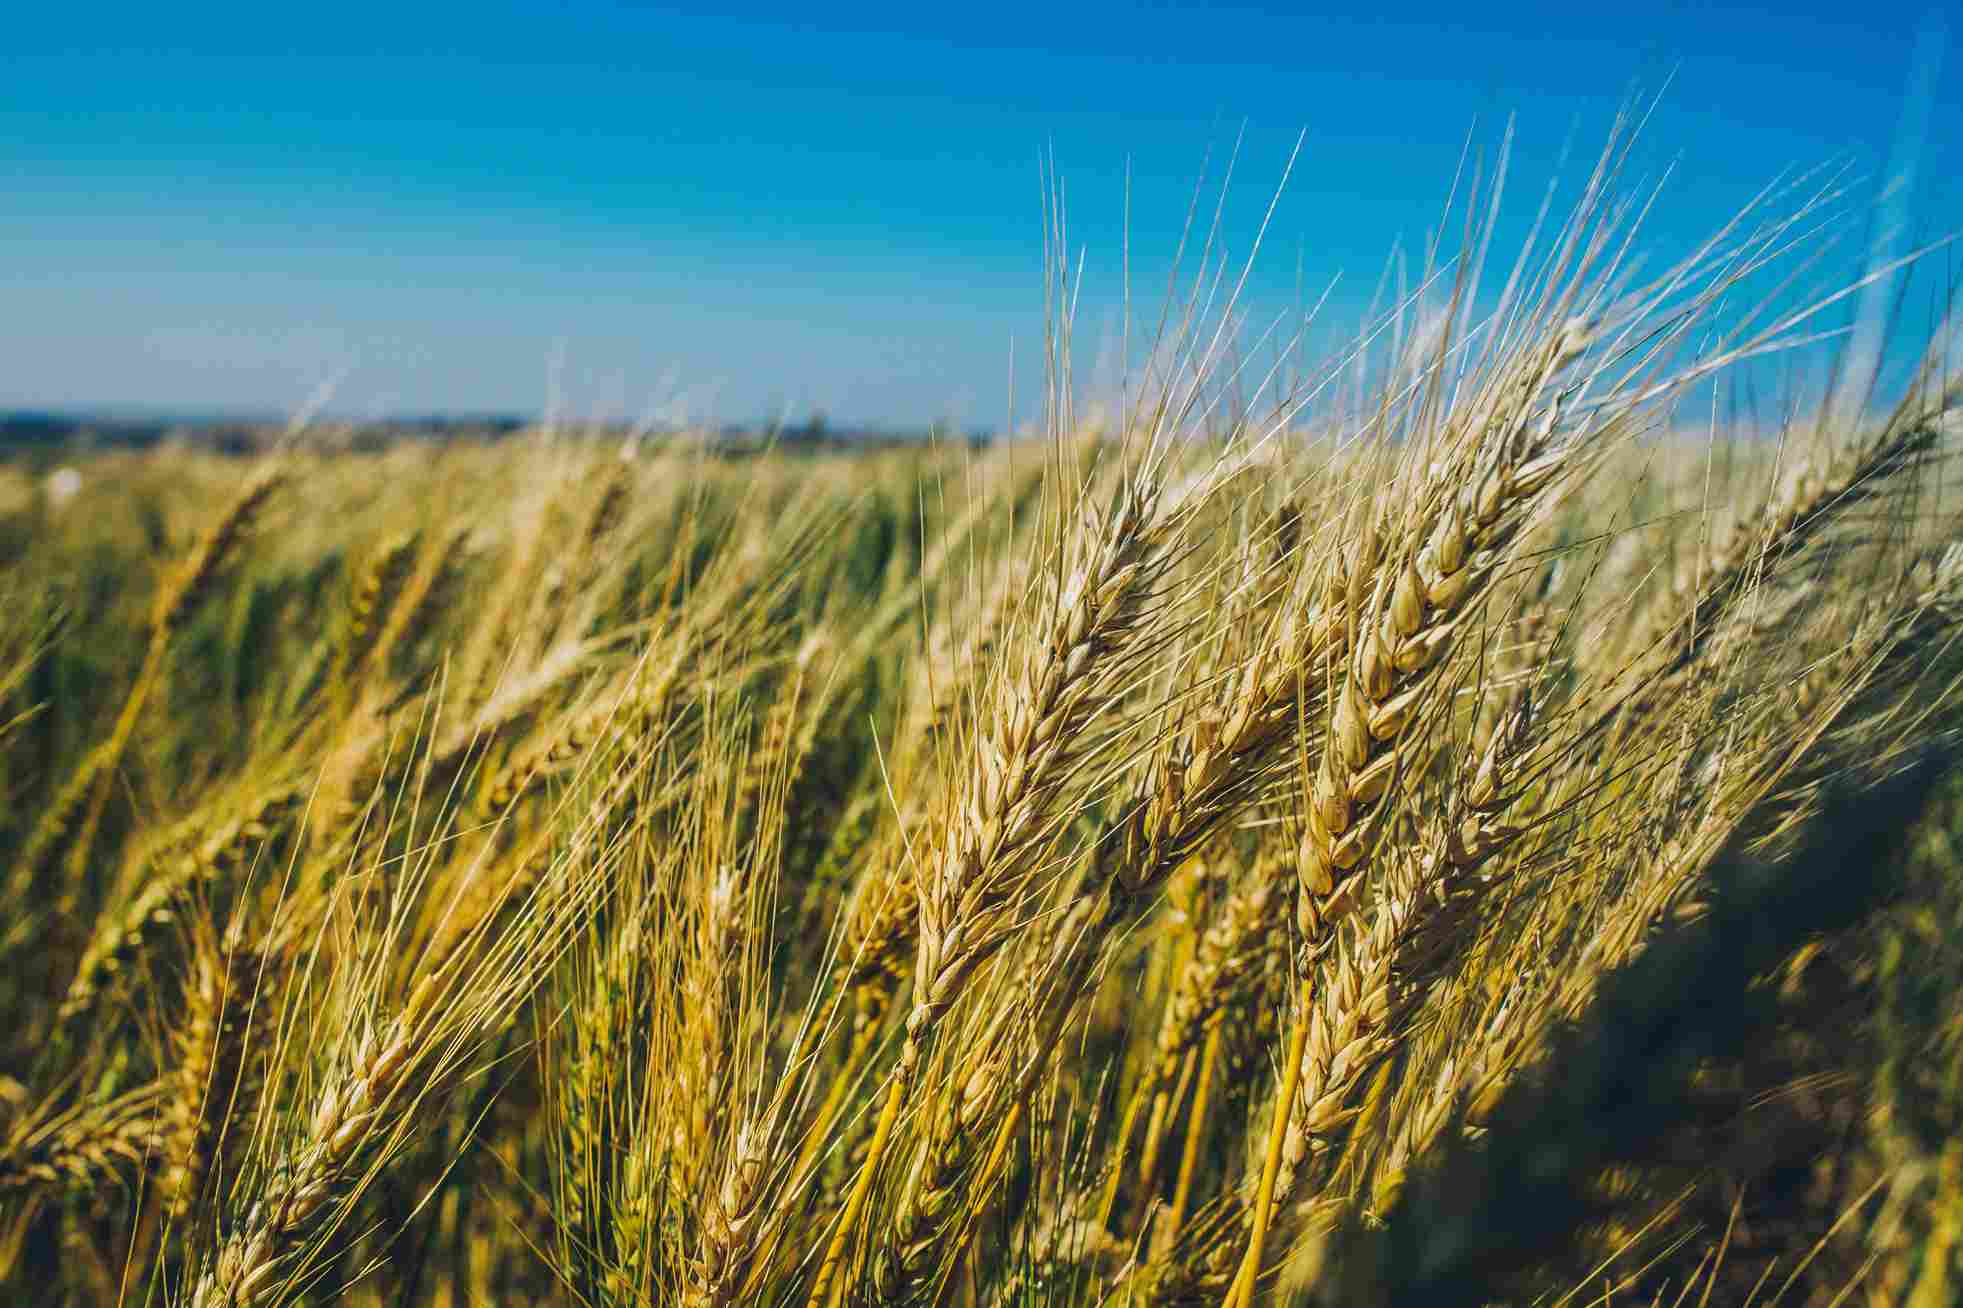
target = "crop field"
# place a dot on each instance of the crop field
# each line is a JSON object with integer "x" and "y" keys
{"x": 1480, "y": 832}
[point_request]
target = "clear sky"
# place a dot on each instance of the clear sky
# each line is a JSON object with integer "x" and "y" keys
{"x": 441, "y": 206}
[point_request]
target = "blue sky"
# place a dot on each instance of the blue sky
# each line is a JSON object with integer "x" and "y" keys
{"x": 445, "y": 207}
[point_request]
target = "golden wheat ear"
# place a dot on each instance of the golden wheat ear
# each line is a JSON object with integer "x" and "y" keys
{"x": 83, "y": 1146}
{"x": 65, "y": 836}
{"x": 1476, "y": 1213}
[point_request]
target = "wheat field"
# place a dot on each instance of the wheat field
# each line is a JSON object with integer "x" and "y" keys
{"x": 1456, "y": 836}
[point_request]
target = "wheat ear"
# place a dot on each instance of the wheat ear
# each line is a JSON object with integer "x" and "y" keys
{"x": 1477, "y": 1212}
{"x": 1005, "y": 815}
{"x": 82, "y": 1147}
{"x": 70, "y": 825}
{"x": 213, "y": 1053}
{"x": 1400, "y": 620}
{"x": 178, "y": 873}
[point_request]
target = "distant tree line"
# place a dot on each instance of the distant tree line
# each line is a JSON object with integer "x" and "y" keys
{"x": 27, "y": 433}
